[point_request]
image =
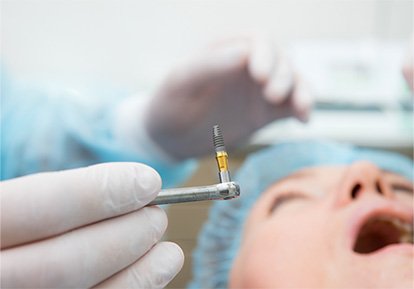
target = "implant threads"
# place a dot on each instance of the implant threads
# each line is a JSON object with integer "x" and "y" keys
{"x": 221, "y": 155}
{"x": 218, "y": 139}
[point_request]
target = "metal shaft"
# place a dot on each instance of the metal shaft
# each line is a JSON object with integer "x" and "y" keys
{"x": 224, "y": 191}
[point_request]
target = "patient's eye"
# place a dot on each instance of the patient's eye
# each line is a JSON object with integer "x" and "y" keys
{"x": 285, "y": 198}
{"x": 402, "y": 188}
{"x": 403, "y": 193}
{"x": 399, "y": 184}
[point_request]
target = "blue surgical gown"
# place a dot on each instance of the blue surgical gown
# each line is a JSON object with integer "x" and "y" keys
{"x": 44, "y": 129}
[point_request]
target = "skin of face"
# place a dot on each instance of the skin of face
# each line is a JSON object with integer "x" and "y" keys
{"x": 306, "y": 239}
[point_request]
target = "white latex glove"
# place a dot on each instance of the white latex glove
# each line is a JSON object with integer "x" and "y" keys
{"x": 241, "y": 85}
{"x": 84, "y": 228}
{"x": 408, "y": 65}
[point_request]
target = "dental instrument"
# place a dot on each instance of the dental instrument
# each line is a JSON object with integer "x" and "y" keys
{"x": 224, "y": 190}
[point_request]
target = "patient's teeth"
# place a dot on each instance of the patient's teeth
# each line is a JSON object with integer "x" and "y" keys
{"x": 407, "y": 237}
{"x": 405, "y": 228}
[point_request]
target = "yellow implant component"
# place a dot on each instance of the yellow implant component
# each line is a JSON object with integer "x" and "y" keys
{"x": 222, "y": 161}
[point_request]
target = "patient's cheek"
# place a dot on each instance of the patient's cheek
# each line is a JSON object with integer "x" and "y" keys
{"x": 251, "y": 269}
{"x": 264, "y": 261}
{"x": 276, "y": 251}
{"x": 404, "y": 198}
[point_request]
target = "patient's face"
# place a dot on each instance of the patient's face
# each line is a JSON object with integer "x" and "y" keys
{"x": 330, "y": 227}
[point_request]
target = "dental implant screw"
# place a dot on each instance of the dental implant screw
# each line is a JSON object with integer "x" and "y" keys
{"x": 221, "y": 155}
{"x": 218, "y": 139}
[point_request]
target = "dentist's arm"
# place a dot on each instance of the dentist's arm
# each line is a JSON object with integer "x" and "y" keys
{"x": 84, "y": 228}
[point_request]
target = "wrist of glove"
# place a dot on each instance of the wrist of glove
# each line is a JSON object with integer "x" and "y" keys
{"x": 84, "y": 228}
{"x": 131, "y": 132}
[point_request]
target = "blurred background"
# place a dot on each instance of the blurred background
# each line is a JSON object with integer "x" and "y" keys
{"x": 350, "y": 52}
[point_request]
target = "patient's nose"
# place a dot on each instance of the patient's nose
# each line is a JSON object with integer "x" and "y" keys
{"x": 359, "y": 179}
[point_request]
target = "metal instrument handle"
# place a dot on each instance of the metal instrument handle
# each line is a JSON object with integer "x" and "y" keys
{"x": 219, "y": 191}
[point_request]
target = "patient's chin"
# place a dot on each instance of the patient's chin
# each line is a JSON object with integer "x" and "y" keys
{"x": 234, "y": 276}
{"x": 387, "y": 270}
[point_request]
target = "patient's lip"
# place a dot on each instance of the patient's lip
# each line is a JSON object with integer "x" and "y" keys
{"x": 372, "y": 207}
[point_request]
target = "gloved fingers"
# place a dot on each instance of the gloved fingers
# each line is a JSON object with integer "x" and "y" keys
{"x": 281, "y": 81}
{"x": 154, "y": 270}
{"x": 261, "y": 60}
{"x": 47, "y": 204}
{"x": 86, "y": 256}
{"x": 216, "y": 62}
{"x": 301, "y": 100}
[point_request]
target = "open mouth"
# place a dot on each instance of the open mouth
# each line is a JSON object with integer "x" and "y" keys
{"x": 381, "y": 231}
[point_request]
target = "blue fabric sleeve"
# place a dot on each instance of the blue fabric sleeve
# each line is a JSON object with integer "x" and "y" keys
{"x": 48, "y": 130}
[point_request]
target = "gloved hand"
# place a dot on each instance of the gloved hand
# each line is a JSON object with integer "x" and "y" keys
{"x": 408, "y": 65}
{"x": 84, "y": 228}
{"x": 241, "y": 85}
